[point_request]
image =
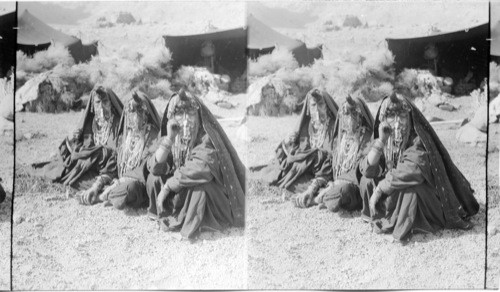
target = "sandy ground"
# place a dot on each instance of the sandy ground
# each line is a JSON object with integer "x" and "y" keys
{"x": 59, "y": 244}
{"x": 7, "y": 174}
{"x": 493, "y": 264}
{"x": 292, "y": 248}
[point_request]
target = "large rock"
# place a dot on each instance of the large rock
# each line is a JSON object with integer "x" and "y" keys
{"x": 126, "y": 18}
{"x": 352, "y": 21}
{"x": 471, "y": 135}
{"x": 495, "y": 110}
{"x": 480, "y": 119}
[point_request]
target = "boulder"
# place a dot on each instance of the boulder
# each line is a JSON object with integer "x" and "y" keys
{"x": 469, "y": 134}
{"x": 479, "y": 120}
{"x": 494, "y": 110}
{"x": 126, "y": 18}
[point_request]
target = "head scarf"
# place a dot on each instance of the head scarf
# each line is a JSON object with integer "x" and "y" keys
{"x": 86, "y": 124}
{"x": 233, "y": 171}
{"x": 305, "y": 118}
{"x": 452, "y": 188}
{"x": 402, "y": 134}
{"x": 189, "y": 122}
{"x": 127, "y": 160}
{"x": 346, "y": 155}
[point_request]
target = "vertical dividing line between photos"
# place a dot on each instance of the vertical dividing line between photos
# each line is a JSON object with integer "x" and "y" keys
{"x": 14, "y": 158}
{"x": 247, "y": 148}
{"x": 486, "y": 149}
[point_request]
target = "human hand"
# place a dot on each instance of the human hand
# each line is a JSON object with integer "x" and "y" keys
{"x": 384, "y": 132}
{"x": 173, "y": 129}
{"x": 303, "y": 200}
{"x": 327, "y": 190}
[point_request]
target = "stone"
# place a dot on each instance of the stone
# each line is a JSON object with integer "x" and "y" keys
{"x": 471, "y": 135}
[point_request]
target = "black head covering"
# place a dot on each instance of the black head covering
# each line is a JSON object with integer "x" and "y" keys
{"x": 367, "y": 122}
{"x": 233, "y": 172}
{"x": 454, "y": 191}
{"x": 153, "y": 119}
{"x": 88, "y": 117}
{"x": 305, "y": 116}
{"x": 153, "y": 116}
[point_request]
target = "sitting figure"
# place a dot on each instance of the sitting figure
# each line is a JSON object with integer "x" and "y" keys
{"x": 138, "y": 131}
{"x": 410, "y": 184}
{"x": 196, "y": 180}
{"x": 88, "y": 156}
{"x": 353, "y": 131}
{"x": 303, "y": 161}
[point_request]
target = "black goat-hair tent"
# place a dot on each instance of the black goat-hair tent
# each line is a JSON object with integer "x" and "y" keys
{"x": 7, "y": 43}
{"x": 34, "y": 35}
{"x": 262, "y": 40}
{"x": 234, "y": 46}
{"x": 459, "y": 52}
{"x": 230, "y": 47}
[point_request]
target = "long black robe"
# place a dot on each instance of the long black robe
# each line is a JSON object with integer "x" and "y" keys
{"x": 345, "y": 194}
{"x": 425, "y": 191}
{"x": 296, "y": 165}
{"x": 81, "y": 161}
{"x": 130, "y": 190}
{"x": 208, "y": 191}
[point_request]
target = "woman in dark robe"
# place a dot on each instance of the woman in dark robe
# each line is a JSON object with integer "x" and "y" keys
{"x": 410, "y": 184}
{"x": 302, "y": 162}
{"x": 88, "y": 158}
{"x": 353, "y": 131}
{"x": 196, "y": 180}
{"x": 138, "y": 132}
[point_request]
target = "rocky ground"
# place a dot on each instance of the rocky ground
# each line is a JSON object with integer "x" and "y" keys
{"x": 292, "y": 248}
{"x": 7, "y": 175}
{"x": 59, "y": 244}
{"x": 493, "y": 264}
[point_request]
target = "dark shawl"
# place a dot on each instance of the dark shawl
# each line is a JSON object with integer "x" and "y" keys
{"x": 279, "y": 170}
{"x": 301, "y": 150}
{"x": 79, "y": 156}
{"x": 354, "y": 175}
{"x": 84, "y": 147}
{"x": 452, "y": 188}
{"x": 141, "y": 172}
{"x": 232, "y": 169}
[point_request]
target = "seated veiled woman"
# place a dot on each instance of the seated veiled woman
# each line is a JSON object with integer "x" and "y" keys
{"x": 196, "y": 180}
{"x": 302, "y": 162}
{"x": 353, "y": 131}
{"x": 138, "y": 131}
{"x": 88, "y": 157}
{"x": 410, "y": 184}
